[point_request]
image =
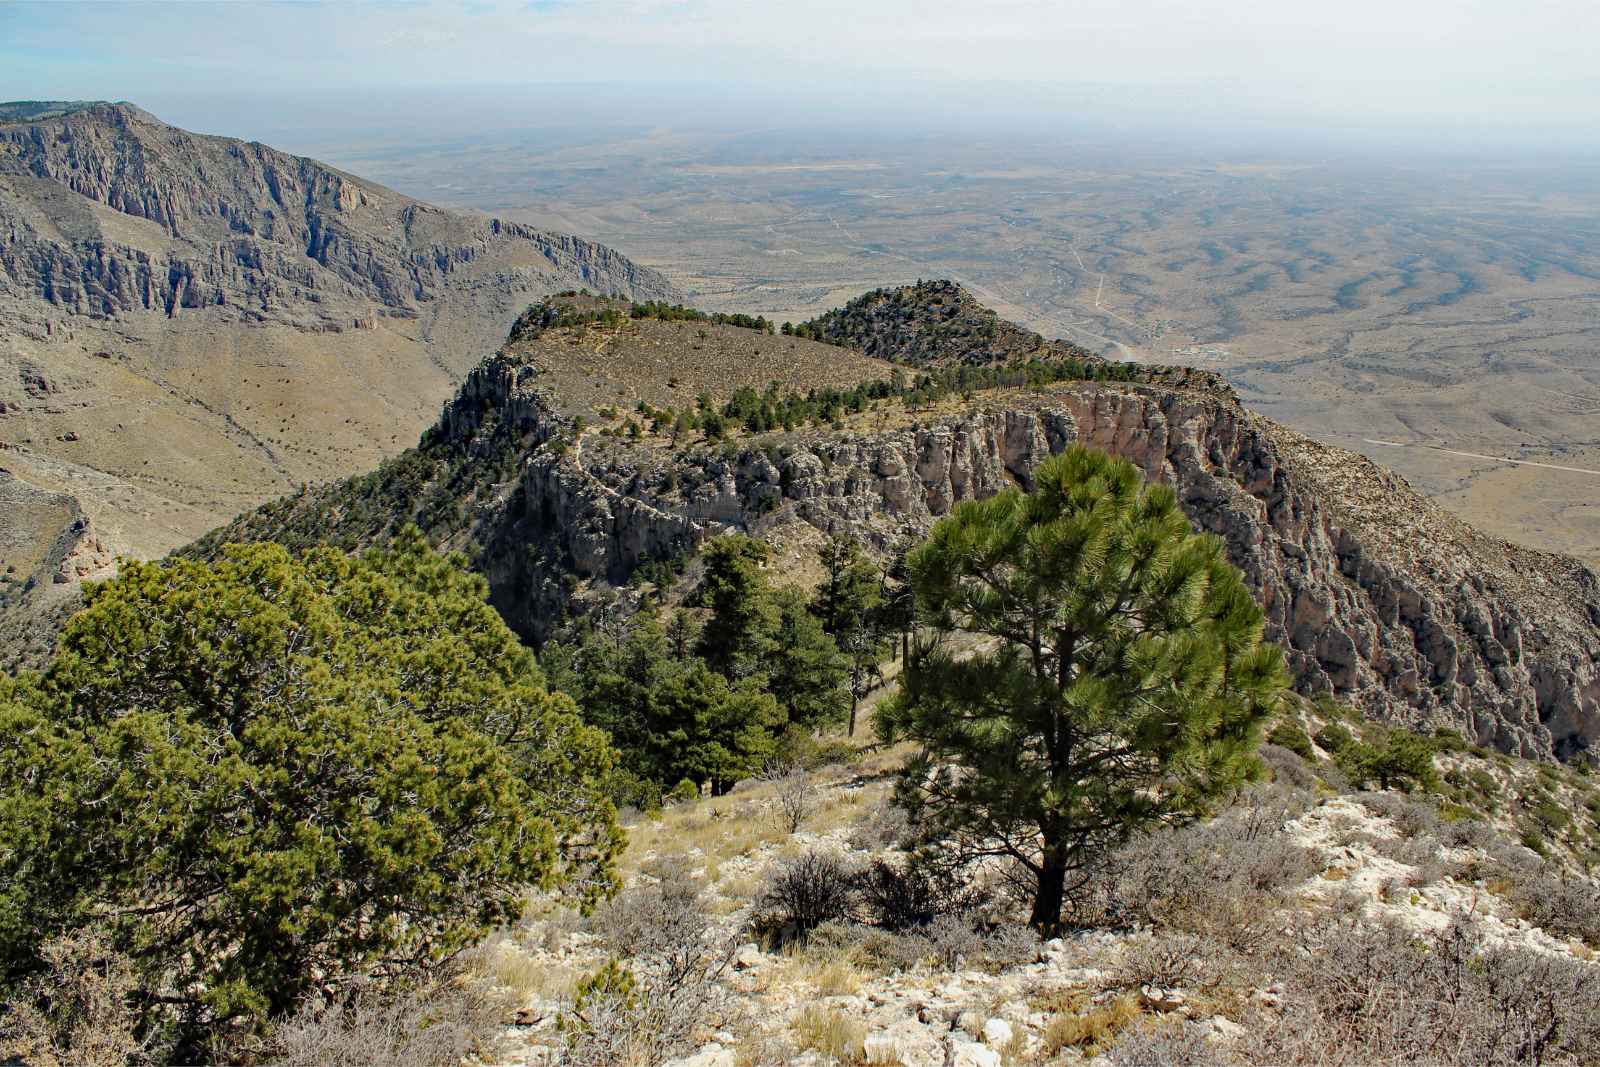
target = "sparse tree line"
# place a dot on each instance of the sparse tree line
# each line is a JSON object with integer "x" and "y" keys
{"x": 772, "y": 409}
{"x": 546, "y": 316}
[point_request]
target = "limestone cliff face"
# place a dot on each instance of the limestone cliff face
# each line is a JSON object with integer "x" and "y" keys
{"x": 1378, "y": 596}
{"x": 227, "y": 224}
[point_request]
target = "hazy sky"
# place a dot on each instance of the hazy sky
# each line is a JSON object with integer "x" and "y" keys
{"x": 1496, "y": 62}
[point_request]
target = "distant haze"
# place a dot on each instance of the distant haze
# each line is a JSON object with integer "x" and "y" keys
{"x": 1461, "y": 70}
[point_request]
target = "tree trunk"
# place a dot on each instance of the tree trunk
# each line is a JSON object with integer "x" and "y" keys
{"x": 1049, "y": 896}
{"x": 855, "y": 701}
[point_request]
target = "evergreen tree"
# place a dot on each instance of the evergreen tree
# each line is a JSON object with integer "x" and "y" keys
{"x": 806, "y": 670}
{"x": 272, "y": 772}
{"x": 849, "y": 601}
{"x": 1121, "y": 679}
{"x": 670, "y": 717}
{"x": 738, "y": 635}
{"x": 850, "y": 586}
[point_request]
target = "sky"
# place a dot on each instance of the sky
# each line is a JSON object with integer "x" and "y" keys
{"x": 1490, "y": 64}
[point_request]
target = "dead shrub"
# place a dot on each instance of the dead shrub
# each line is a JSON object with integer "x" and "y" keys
{"x": 77, "y": 1011}
{"x": 1165, "y": 1044}
{"x": 885, "y": 827}
{"x": 1376, "y": 993}
{"x": 656, "y": 1006}
{"x": 901, "y": 896}
{"x": 434, "y": 1021}
{"x": 1222, "y": 879}
{"x": 1167, "y": 959}
{"x": 1288, "y": 768}
{"x": 804, "y": 893}
{"x": 1566, "y": 906}
{"x": 796, "y": 794}
{"x": 666, "y": 918}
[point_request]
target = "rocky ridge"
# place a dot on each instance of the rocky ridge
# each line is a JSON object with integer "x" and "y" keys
{"x": 241, "y": 226}
{"x": 191, "y": 324}
{"x": 1380, "y": 597}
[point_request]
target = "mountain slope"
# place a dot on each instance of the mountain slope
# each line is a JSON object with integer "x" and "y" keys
{"x": 1379, "y": 596}
{"x": 191, "y": 324}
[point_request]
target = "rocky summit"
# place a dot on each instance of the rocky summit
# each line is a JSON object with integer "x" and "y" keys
{"x": 562, "y": 467}
{"x": 192, "y": 324}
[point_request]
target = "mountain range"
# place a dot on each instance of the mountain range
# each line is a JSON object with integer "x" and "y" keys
{"x": 191, "y": 324}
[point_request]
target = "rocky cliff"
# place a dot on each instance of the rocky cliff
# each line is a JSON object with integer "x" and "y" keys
{"x": 1380, "y": 597}
{"x": 190, "y": 325}
{"x": 241, "y": 226}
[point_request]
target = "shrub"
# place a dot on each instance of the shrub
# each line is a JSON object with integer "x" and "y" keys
{"x": 1165, "y": 1044}
{"x": 804, "y": 893}
{"x": 1563, "y": 906}
{"x": 663, "y": 921}
{"x": 905, "y": 895}
{"x": 796, "y": 795}
{"x": 654, "y": 1008}
{"x": 77, "y": 1010}
{"x": 1335, "y": 737}
{"x": 1287, "y": 768}
{"x": 1291, "y": 735}
{"x": 439, "y": 1021}
{"x": 1222, "y": 879}
{"x": 886, "y": 826}
{"x": 1381, "y": 994}
{"x": 1404, "y": 761}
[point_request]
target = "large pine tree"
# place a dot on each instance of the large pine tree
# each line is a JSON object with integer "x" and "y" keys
{"x": 1118, "y": 678}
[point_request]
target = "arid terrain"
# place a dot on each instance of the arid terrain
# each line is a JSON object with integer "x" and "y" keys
{"x": 191, "y": 324}
{"x": 1441, "y": 316}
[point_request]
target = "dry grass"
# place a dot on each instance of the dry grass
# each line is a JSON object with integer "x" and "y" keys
{"x": 504, "y": 964}
{"x": 832, "y": 1033}
{"x": 835, "y": 978}
{"x": 1079, "y": 1024}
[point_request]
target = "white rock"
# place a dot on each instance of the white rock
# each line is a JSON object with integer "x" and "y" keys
{"x": 971, "y": 1054}
{"x": 1222, "y": 1028}
{"x": 1161, "y": 1000}
{"x": 712, "y": 1055}
{"x": 917, "y": 1045}
{"x": 748, "y": 956}
{"x": 997, "y": 1033}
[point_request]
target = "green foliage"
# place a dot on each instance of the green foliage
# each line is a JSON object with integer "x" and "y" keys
{"x": 1122, "y": 680}
{"x": 672, "y": 718}
{"x": 849, "y": 592}
{"x": 1403, "y": 761}
{"x": 739, "y": 634}
{"x": 1335, "y": 738}
{"x": 709, "y": 706}
{"x": 806, "y": 671}
{"x": 270, "y": 772}
{"x": 1291, "y": 735}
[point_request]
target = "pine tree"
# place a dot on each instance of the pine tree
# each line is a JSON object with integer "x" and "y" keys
{"x": 738, "y": 635}
{"x": 806, "y": 670}
{"x": 1120, "y": 681}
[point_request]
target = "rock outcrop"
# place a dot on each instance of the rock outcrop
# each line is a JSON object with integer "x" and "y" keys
{"x": 1380, "y": 597}
{"x": 192, "y": 324}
